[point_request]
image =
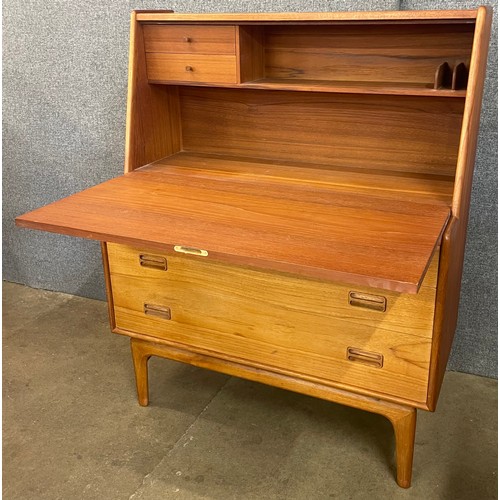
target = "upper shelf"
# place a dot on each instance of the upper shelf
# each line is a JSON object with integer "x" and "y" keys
{"x": 374, "y": 88}
{"x": 369, "y": 229}
{"x": 340, "y": 87}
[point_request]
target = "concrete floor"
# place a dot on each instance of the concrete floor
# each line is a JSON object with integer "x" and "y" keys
{"x": 73, "y": 429}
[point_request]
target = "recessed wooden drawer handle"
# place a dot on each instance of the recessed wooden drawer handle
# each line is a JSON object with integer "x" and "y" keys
{"x": 369, "y": 358}
{"x": 156, "y": 310}
{"x": 153, "y": 261}
{"x": 189, "y": 68}
{"x": 368, "y": 301}
{"x": 190, "y": 250}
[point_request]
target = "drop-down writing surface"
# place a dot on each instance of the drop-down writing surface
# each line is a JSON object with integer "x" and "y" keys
{"x": 358, "y": 237}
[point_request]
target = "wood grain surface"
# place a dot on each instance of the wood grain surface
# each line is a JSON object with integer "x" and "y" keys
{"x": 153, "y": 121}
{"x": 376, "y": 53}
{"x": 397, "y": 16}
{"x": 472, "y": 115}
{"x": 107, "y": 282}
{"x": 352, "y": 87}
{"x": 330, "y": 86}
{"x": 191, "y": 67}
{"x": 190, "y": 39}
{"x": 402, "y": 186}
{"x": 250, "y": 43}
{"x": 402, "y": 417}
{"x": 302, "y": 326}
{"x": 332, "y": 234}
{"x": 366, "y": 131}
{"x": 450, "y": 274}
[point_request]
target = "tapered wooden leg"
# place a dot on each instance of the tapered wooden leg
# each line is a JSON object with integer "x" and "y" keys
{"x": 402, "y": 417}
{"x": 141, "y": 358}
{"x": 404, "y": 431}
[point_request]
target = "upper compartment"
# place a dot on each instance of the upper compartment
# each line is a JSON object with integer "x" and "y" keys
{"x": 404, "y": 55}
{"x": 413, "y": 58}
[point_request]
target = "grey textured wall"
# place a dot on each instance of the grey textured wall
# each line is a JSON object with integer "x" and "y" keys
{"x": 65, "y": 77}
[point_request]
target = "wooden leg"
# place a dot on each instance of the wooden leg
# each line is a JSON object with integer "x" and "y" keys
{"x": 141, "y": 356}
{"x": 404, "y": 431}
{"x": 403, "y": 418}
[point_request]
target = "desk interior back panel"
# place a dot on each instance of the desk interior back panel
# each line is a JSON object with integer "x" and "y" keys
{"x": 384, "y": 53}
{"x": 394, "y": 133}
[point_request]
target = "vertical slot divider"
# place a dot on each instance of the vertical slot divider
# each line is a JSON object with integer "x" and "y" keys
{"x": 459, "y": 77}
{"x": 443, "y": 76}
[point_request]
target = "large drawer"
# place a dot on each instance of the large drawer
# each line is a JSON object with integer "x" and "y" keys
{"x": 295, "y": 325}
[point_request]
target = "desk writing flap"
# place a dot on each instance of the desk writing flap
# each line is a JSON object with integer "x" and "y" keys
{"x": 351, "y": 237}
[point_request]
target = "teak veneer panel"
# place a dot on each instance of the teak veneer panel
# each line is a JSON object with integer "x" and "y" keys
{"x": 399, "y": 133}
{"x": 455, "y": 236}
{"x": 250, "y": 43}
{"x": 403, "y": 186}
{"x": 153, "y": 119}
{"x": 355, "y": 238}
{"x": 262, "y": 17}
{"x": 352, "y": 87}
{"x": 217, "y": 40}
{"x": 299, "y": 325}
{"x": 191, "y": 68}
{"x": 376, "y": 53}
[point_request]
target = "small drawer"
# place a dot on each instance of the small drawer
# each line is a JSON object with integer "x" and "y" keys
{"x": 191, "y": 68}
{"x": 299, "y": 326}
{"x": 189, "y": 39}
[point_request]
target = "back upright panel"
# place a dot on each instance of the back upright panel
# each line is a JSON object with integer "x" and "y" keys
{"x": 393, "y": 133}
{"x": 404, "y": 53}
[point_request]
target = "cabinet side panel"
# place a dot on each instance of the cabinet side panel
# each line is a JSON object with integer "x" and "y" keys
{"x": 452, "y": 256}
{"x": 107, "y": 280}
{"x": 472, "y": 114}
{"x": 153, "y": 120}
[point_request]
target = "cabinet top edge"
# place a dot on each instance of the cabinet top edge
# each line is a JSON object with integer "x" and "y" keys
{"x": 416, "y": 15}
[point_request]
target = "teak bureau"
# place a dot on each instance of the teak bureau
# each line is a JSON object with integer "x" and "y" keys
{"x": 295, "y": 201}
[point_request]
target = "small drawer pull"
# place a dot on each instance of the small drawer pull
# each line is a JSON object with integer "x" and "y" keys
{"x": 153, "y": 261}
{"x": 190, "y": 250}
{"x": 189, "y": 68}
{"x": 156, "y": 310}
{"x": 188, "y": 39}
{"x": 368, "y": 301}
{"x": 368, "y": 358}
